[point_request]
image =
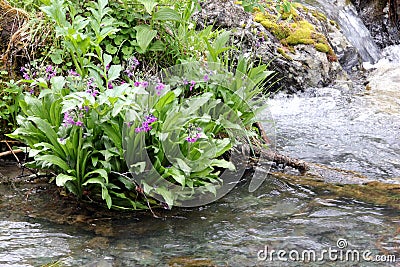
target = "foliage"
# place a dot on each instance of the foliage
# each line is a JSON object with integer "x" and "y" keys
{"x": 107, "y": 130}
{"x": 10, "y": 94}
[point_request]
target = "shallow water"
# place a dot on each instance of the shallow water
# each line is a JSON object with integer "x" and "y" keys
{"x": 227, "y": 233}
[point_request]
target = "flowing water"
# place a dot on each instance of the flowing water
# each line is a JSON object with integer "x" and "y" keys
{"x": 351, "y": 129}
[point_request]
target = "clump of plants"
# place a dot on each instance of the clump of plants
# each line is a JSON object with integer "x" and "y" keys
{"x": 110, "y": 132}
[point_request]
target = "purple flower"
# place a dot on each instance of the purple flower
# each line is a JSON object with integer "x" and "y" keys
{"x": 73, "y": 73}
{"x": 68, "y": 119}
{"x": 146, "y": 127}
{"x": 32, "y": 91}
{"x": 50, "y": 72}
{"x": 135, "y": 62}
{"x": 192, "y": 84}
{"x": 110, "y": 86}
{"x": 185, "y": 82}
{"x": 145, "y": 84}
{"x": 95, "y": 93}
{"x": 159, "y": 88}
{"x": 79, "y": 123}
{"x": 206, "y": 78}
{"x": 26, "y": 76}
{"x": 136, "y": 84}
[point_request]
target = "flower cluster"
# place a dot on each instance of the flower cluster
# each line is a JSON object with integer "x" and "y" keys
{"x": 159, "y": 87}
{"x": 194, "y": 133}
{"x": 144, "y": 84}
{"x": 146, "y": 127}
{"x": 33, "y": 72}
{"x": 131, "y": 67}
{"x": 74, "y": 117}
{"x": 192, "y": 84}
{"x": 50, "y": 72}
{"x": 92, "y": 88}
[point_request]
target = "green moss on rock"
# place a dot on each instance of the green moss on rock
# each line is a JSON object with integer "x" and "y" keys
{"x": 283, "y": 53}
{"x": 321, "y": 47}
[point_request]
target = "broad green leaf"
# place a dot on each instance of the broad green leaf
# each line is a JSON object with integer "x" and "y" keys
{"x": 167, "y": 14}
{"x": 167, "y": 195}
{"x": 223, "y": 164}
{"x": 101, "y": 172}
{"x": 144, "y": 36}
{"x": 148, "y": 5}
{"x": 113, "y": 72}
{"x": 164, "y": 100}
{"x": 61, "y": 179}
{"x": 53, "y": 160}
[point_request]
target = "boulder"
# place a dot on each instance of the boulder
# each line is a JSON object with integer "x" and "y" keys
{"x": 308, "y": 51}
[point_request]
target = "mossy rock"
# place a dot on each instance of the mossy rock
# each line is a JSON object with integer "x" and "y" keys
{"x": 281, "y": 51}
{"x": 321, "y": 47}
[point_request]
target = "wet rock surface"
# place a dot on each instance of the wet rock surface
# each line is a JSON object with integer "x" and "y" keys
{"x": 301, "y": 67}
{"x": 382, "y": 19}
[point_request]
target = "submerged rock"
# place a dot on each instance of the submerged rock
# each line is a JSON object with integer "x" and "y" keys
{"x": 307, "y": 51}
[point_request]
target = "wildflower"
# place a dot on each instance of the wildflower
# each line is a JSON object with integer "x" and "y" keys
{"x": 146, "y": 127}
{"x": 192, "y": 84}
{"x": 73, "y": 73}
{"x": 145, "y": 84}
{"x": 185, "y": 82}
{"x": 194, "y": 133}
{"x": 79, "y": 123}
{"x": 50, "y": 72}
{"x": 26, "y": 76}
{"x": 159, "y": 88}
{"x": 135, "y": 62}
{"x": 110, "y": 85}
{"x": 68, "y": 119}
{"x": 206, "y": 78}
{"x": 32, "y": 91}
{"x": 136, "y": 84}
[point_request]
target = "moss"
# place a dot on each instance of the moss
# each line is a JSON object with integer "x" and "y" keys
{"x": 281, "y": 51}
{"x": 321, "y": 47}
{"x": 320, "y": 16}
{"x": 298, "y": 32}
{"x": 301, "y": 34}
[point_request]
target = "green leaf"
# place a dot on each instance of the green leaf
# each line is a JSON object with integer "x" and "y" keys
{"x": 56, "y": 57}
{"x": 157, "y": 46}
{"x": 144, "y": 36}
{"x": 114, "y": 71}
{"x": 148, "y": 5}
{"x": 167, "y": 195}
{"x": 223, "y": 164}
{"x": 101, "y": 172}
{"x": 61, "y": 179}
{"x": 165, "y": 100}
{"x": 53, "y": 160}
{"x": 111, "y": 49}
{"x": 167, "y": 14}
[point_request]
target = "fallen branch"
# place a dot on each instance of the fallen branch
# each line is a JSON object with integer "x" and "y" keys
{"x": 11, "y": 152}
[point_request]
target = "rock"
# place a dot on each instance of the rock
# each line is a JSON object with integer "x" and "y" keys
{"x": 382, "y": 18}
{"x": 311, "y": 62}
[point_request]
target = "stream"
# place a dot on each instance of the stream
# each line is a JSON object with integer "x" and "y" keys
{"x": 343, "y": 126}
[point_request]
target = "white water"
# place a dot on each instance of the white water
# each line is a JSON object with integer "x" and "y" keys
{"x": 345, "y": 14}
{"x": 355, "y": 130}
